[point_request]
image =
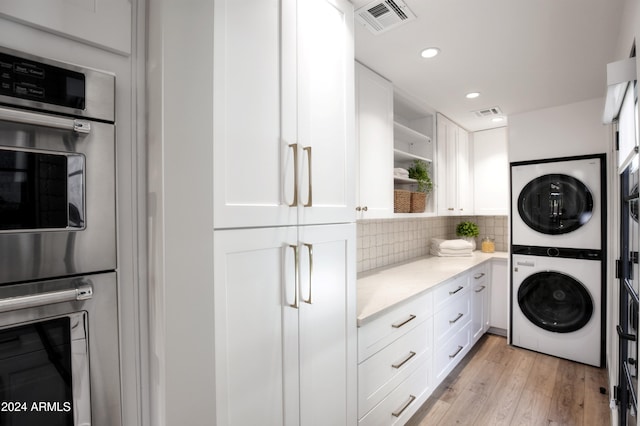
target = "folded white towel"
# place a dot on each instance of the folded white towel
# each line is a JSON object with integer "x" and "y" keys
{"x": 439, "y": 254}
{"x": 400, "y": 172}
{"x": 451, "y": 244}
{"x": 450, "y": 251}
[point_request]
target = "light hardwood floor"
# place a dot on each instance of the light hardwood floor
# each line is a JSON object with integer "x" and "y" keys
{"x": 497, "y": 384}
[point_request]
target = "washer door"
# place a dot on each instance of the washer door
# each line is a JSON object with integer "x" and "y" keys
{"x": 555, "y": 204}
{"x": 555, "y": 302}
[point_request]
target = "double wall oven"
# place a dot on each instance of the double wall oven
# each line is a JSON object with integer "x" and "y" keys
{"x": 59, "y": 346}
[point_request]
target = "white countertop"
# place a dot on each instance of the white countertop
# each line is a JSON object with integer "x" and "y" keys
{"x": 381, "y": 289}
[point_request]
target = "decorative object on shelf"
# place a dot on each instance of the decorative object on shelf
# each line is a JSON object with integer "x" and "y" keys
{"x": 401, "y": 201}
{"x": 468, "y": 231}
{"x": 420, "y": 172}
{"x": 488, "y": 245}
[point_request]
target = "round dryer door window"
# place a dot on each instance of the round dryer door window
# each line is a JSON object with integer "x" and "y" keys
{"x": 555, "y": 302}
{"x": 555, "y": 204}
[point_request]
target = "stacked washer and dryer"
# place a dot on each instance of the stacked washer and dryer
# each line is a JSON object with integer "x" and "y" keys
{"x": 558, "y": 241}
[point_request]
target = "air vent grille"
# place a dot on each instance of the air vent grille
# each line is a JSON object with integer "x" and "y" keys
{"x": 380, "y": 16}
{"x": 488, "y": 112}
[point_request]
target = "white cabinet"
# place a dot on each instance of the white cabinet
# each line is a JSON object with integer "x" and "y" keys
{"x": 499, "y": 304}
{"x": 480, "y": 291}
{"x": 104, "y": 23}
{"x": 627, "y": 129}
{"x": 283, "y": 113}
{"x": 454, "y": 189}
{"x": 491, "y": 172}
{"x": 285, "y": 325}
{"x": 374, "y": 141}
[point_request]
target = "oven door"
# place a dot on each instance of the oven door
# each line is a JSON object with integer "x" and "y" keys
{"x": 57, "y": 196}
{"x": 59, "y": 353}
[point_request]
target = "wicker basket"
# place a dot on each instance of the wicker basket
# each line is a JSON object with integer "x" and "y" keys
{"x": 401, "y": 201}
{"x": 418, "y": 202}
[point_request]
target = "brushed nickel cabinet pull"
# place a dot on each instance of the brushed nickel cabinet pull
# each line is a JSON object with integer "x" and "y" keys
{"x": 404, "y": 361}
{"x": 309, "y": 202}
{"x": 478, "y": 276}
{"x": 399, "y": 411}
{"x": 456, "y": 352}
{"x": 481, "y": 289}
{"x": 451, "y": 293}
{"x": 456, "y": 319}
{"x": 295, "y": 304}
{"x": 450, "y": 209}
{"x": 310, "y": 248}
{"x": 400, "y": 324}
{"x": 294, "y": 146}
{"x": 358, "y": 208}
{"x": 365, "y": 208}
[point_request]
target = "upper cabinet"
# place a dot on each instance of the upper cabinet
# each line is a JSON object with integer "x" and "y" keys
{"x": 454, "y": 185}
{"x": 412, "y": 140}
{"x": 374, "y": 144}
{"x": 491, "y": 172}
{"x": 103, "y": 23}
{"x": 283, "y": 113}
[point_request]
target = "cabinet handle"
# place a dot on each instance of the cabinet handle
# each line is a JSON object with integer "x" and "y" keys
{"x": 310, "y": 248}
{"x": 294, "y": 146}
{"x": 399, "y": 411}
{"x": 478, "y": 276}
{"x": 450, "y": 209}
{"x": 456, "y": 352}
{"x": 365, "y": 208}
{"x": 481, "y": 289}
{"x": 309, "y": 202}
{"x": 398, "y": 325}
{"x": 404, "y": 361}
{"x": 295, "y": 304}
{"x": 456, "y": 319}
{"x": 358, "y": 208}
{"x": 451, "y": 293}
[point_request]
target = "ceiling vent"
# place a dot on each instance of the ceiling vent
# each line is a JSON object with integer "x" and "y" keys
{"x": 380, "y": 16}
{"x": 488, "y": 112}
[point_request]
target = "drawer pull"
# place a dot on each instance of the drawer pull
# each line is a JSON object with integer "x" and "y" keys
{"x": 398, "y": 325}
{"x": 451, "y": 293}
{"x": 481, "y": 289}
{"x": 478, "y": 276}
{"x": 404, "y": 361}
{"x": 456, "y": 319}
{"x": 399, "y": 412}
{"x": 456, "y": 352}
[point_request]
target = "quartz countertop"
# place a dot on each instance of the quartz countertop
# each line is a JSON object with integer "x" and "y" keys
{"x": 381, "y": 289}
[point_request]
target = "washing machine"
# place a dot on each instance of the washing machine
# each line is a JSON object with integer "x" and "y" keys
{"x": 557, "y": 307}
{"x": 558, "y": 202}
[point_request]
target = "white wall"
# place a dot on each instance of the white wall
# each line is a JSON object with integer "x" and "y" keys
{"x": 562, "y": 131}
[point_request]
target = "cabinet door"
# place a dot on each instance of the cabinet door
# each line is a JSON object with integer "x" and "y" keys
{"x": 326, "y": 111}
{"x": 479, "y": 303}
{"x": 491, "y": 172}
{"x": 447, "y": 173}
{"x": 499, "y": 294}
{"x": 327, "y": 326}
{"x": 256, "y": 329}
{"x": 254, "y": 114}
{"x": 374, "y": 117}
{"x": 464, "y": 188}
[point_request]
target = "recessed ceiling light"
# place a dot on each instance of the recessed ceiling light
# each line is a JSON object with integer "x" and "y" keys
{"x": 472, "y": 95}
{"x": 429, "y": 52}
{"x": 497, "y": 119}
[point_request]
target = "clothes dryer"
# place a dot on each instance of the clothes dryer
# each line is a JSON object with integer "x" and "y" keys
{"x": 558, "y": 202}
{"x": 557, "y": 307}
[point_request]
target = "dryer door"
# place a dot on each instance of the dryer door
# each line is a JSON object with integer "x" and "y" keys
{"x": 555, "y": 302}
{"x": 555, "y": 204}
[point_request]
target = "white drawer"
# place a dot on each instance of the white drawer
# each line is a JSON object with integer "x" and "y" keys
{"x": 452, "y": 317}
{"x": 381, "y": 373}
{"x": 383, "y": 330}
{"x": 450, "y": 290}
{"x": 403, "y": 402}
{"x": 449, "y": 354}
{"x": 479, "y": 274}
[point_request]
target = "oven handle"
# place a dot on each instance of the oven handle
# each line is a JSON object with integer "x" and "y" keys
{"x": 23, "y": 117}
{"x": 83, "y": 291}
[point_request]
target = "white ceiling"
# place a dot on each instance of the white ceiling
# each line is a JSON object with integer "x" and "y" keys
{"x": 521, "y": 55}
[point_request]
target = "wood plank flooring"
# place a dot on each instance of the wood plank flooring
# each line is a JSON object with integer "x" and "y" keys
{"x": 497, "y": 384}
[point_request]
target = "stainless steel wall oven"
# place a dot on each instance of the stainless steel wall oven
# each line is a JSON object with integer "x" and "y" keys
{"x": 59, "y": 347}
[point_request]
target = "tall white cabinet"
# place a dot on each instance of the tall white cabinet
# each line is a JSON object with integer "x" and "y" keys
{"x": 284, "y": 212}
{"x": 455, "y": 196}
